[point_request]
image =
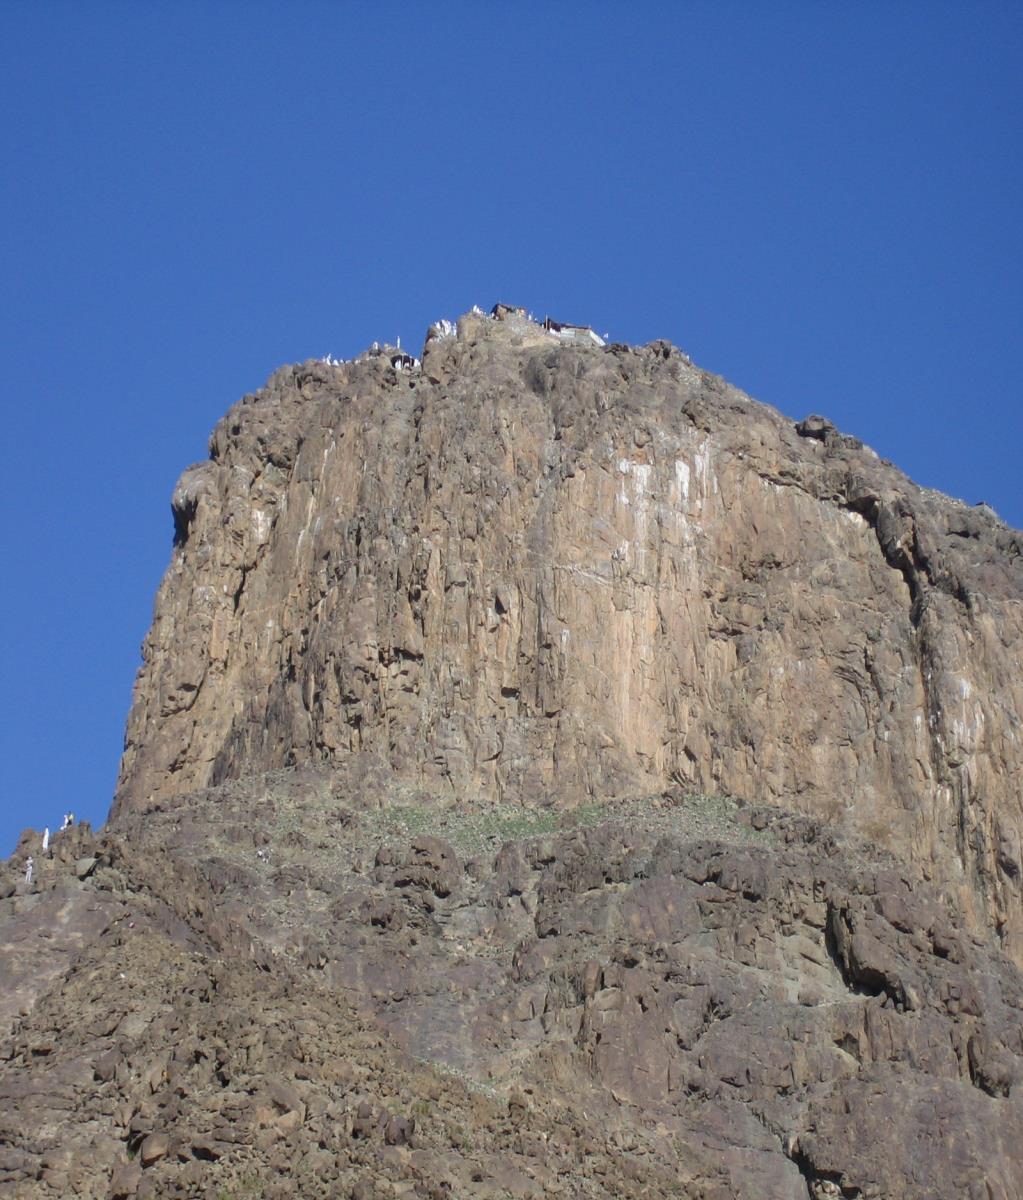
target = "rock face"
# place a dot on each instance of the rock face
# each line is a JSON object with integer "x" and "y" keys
{"x": 551, "y": 774}
{"x": 305, "y": 989}
{"x": 538, "y": 571}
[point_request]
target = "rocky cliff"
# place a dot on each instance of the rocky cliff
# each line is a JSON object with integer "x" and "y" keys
{"x": 537, "y": 571}
{"x": 551, "y": 773}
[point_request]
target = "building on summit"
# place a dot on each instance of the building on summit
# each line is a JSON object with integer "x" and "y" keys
{"x": 580, "y": 335}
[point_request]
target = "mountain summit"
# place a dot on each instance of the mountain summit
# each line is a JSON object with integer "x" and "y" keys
{"x": 551, "y": 773}
{"x": 530, "y": 568}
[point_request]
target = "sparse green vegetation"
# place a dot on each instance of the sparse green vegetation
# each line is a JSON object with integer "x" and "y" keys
{"x": 469, "y": 1082}
{"x": 248, "y": 1187}
{"x": 317, "y": 829}
{"x": 472, "y": 830}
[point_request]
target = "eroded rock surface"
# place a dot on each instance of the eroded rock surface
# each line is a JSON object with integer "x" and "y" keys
{"x": 527, "y": 569}
{"x": 304, "y": 990}
{"x": 551, "y": 773}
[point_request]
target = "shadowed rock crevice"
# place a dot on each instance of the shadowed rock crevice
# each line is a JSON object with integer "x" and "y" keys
{"x": 821, "y": 1184}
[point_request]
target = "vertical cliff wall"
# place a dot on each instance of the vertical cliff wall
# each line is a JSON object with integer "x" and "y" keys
{"x": 537, "y": 569}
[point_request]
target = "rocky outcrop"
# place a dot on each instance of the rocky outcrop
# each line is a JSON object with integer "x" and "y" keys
{"x": 538, "y": 571}
{"x": 551, "y": 773}
{"x": 303, "y": 989}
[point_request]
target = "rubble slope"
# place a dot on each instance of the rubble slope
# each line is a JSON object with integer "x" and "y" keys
{"x": 302, "y": 990}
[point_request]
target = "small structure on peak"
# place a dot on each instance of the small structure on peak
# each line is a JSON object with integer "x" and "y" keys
{"x": 579, "y": 335}
{"x": 403, "y": 361}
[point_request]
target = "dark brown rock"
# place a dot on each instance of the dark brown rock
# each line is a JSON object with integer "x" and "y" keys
{"x": 154, "y": 1147}
{"x": 427, "y": 863}
{"x": 125, "y": 1181}
{"x": 399, "y": 1130}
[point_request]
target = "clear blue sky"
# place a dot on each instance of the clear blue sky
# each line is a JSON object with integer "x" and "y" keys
{"x": 822, "y": 202}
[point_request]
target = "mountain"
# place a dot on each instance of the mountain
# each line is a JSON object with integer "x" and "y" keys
{"x": 551, "y": 772}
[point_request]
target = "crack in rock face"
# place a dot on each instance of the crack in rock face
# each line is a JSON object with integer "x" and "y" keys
{"x": 551, "y": 773}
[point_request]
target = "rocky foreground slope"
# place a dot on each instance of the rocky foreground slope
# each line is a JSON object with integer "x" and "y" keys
{"x": 301, "y": 990}
{"x": 551, "y": 773}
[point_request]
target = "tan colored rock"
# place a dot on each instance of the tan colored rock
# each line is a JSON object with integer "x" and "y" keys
{"x": 106, "y": 1065}
{"x": 288, "y": 1122}
{"x": 125, "y": 1181}
{"x": 539, "y": 570}
{"x": 84, "y": 867}
{"x": 153, "y": 1148}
